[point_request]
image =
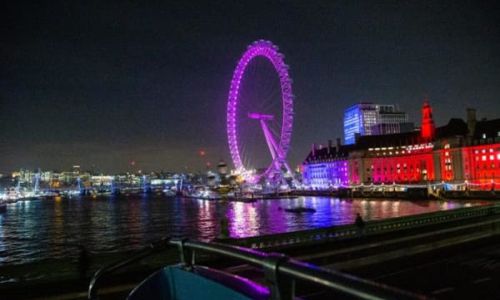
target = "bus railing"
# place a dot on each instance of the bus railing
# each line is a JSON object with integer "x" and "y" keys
{"x": 281, "y": 273}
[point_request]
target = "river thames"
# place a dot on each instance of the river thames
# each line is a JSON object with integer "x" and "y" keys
{"x": 40, "y": 229}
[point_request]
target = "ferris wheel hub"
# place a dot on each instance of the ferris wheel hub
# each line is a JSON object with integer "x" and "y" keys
{"x": 258, "y": 116}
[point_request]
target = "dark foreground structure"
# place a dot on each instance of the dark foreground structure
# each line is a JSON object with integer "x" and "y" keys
{"x": 282, "y": 277}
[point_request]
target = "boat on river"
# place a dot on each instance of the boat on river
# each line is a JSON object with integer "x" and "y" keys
{"x": 169, "y": 192}
{"x": 300, "y": 209}
{"x": 203, "y": 193}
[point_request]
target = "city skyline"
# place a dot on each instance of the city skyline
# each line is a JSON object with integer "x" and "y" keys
{"x": 108, "y": 85}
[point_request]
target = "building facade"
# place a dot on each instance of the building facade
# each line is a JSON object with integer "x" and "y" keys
{"x": 327, "y": 166}
{"x": 370, "y": 118}
{"x": 459, "y": 152}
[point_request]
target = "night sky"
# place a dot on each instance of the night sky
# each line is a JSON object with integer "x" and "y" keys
{"x": 103, "y": 84}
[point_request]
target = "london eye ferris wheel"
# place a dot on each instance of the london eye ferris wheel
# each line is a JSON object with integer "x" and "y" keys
{"x": 260, "y": 114}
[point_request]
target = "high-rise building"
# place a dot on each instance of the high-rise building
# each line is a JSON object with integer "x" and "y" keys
{"x": 374, "y": 119}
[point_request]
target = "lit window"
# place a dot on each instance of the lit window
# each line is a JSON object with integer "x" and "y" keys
{"x": 498, "y": 156}
{"x": 492, "y": 157}
{"x": 491, "y": 150}
{"x": 483, "y": 158}
{"x": 484, "y": 135}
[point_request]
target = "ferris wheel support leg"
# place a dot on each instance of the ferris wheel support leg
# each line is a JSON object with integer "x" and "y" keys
{"x": 269, "y": 139}
{"x": 273, "y": 147}
{"x": 271, "y": 143}
{"x": 287, "y": 167}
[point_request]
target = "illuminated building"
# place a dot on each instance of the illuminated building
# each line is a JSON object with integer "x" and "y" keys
{"x": 481, "y": 159}
{"x": 222, "y": 172}
{"x": 76, "y": 170}
{"x": 369, "y": 119}
{"x": 326, "y": 166}
{"x": 428, "y": 129}
{"x": 222, "y": 168}
{"x": 463, "y": 153}
{"x": 391, "y": 128}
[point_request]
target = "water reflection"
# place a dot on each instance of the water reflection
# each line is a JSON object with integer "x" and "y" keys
{"x": 207, "y": 219}
{"x": 2, "y": 237}
{"x": 243, "y": 219}
{"x": 57, "y": 244}
{"x": 33, "y": 230}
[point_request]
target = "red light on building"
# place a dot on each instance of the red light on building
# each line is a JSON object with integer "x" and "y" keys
{"x": 402, "y": 168}
{"x": 481, "y": 167}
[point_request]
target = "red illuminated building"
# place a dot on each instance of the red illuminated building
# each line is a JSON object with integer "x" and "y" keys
{"x": 460, "y": 152}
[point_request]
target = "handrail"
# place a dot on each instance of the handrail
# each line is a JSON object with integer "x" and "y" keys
{"x": 280, "y": 271}
{"x": 113, "y": 267}
{"x": 282, "y": 266}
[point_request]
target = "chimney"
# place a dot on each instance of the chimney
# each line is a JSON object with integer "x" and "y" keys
{"x": 313, "y": 149}
{"x": 329, "y": 146}
{"x": 338, "y": 144}
{"x": 471, "y": 120}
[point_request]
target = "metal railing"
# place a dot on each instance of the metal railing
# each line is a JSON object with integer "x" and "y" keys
{"x": 95, "y": 282}
{"x": 281, "y": 272}
{"x": 341, "y": 232}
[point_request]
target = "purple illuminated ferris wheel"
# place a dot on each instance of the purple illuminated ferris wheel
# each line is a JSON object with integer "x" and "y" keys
{"x": 275, "y": 126}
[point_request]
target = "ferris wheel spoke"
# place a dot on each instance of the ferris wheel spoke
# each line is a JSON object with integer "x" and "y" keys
{"x": 276, "y": 139}
{"x": 273, "y": 100}
{"x": 251, "y": 139}
{"x": 273, "y": 93}
{"x": 247, "y": 107}
{"x": 270, "y": 109}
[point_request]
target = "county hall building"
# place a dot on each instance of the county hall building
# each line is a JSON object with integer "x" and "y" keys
{"x": 461, "y": 152}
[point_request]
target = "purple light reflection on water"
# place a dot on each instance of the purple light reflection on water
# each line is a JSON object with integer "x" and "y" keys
{"x": 40, "y": 229}
{"x": 269, "y": 216}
